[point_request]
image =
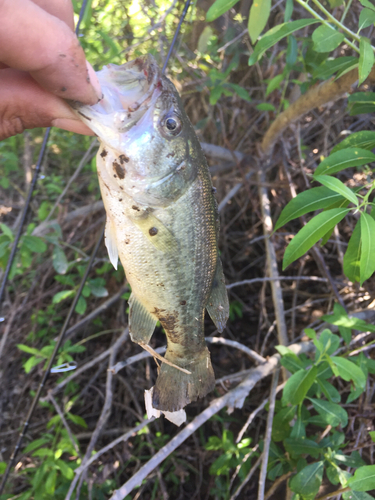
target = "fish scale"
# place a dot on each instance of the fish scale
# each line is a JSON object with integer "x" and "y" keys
{"x": 162, "y": 222}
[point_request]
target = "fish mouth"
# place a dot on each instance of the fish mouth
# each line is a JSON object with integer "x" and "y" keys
{"x": 128, "y": 92}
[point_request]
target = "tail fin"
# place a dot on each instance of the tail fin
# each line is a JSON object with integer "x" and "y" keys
{"x": 175, "y": 389}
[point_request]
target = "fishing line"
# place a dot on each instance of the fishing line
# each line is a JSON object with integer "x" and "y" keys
{"x": 71, "y": 310}
{"x": 183, "y": 15}
{"x": 64, "y": 328}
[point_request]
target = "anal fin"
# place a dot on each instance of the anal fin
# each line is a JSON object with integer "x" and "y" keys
{"x": 141, "y": 322}
{"x": 110, "y": 242}
{"x": 218, "y": 304}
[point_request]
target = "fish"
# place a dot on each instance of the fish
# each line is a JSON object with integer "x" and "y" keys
{"x": 161, "y": 221}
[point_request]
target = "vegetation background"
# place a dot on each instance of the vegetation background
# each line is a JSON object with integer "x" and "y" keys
{"x": 274, "y": 117}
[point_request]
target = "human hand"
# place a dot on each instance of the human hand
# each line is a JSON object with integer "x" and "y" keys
{"x": 41, "y": 62}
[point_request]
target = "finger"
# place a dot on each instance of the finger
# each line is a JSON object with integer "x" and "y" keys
{"x": 62, "y": 9}
{"x": 24, "y": 104}
{"x": 43, "y": 45}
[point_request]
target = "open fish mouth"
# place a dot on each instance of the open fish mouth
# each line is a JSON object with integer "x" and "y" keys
{"x": 128, "y": 92}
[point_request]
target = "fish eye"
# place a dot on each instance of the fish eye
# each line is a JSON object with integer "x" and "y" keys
{"x": 171, "y": 125}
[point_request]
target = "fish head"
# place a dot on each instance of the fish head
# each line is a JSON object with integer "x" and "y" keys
{"x": 142, "y": 125}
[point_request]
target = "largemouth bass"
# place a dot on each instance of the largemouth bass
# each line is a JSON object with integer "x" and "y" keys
{"x": 162, "y": 221}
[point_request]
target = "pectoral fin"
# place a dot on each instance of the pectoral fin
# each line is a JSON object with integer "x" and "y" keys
{"x": 156, "y": 232}
{"x": 141, "y": 322}
{"x": 218, "y": 305}
{"x": 110, "y": 242}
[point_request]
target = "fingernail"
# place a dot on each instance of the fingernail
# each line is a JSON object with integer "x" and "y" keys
{"x": 94, "y": 80}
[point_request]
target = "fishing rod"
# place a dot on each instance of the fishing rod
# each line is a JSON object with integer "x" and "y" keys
{"x": 87, "y": 271}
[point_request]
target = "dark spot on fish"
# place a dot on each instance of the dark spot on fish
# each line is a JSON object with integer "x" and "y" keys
{"x": 63, "y": 89}
{"x": 171, "y": 155}
{"x": 153, "y": 231}
{"x": 122, "y": 189}
{"x": 120, "y": 199}
{"x": 123, "y": 159}
{"x": 62, "y": 55}
{"x": 87, "y": 78}
{"x": 120, "y": 171}
{"x": 104, "y": 153}
{"x": 84, "y": 116}
{"x": 106, "y": 185}
{"x": 183, "y": 302}
{"x": 129, "y": 116}
{"x": 213, "y": 190}
{"x": 134, "y": 207}
{"x": 127, "y": 241}
{"x": 115, "y": 176}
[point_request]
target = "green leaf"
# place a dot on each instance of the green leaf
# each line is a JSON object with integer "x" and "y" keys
{"x": 258, "y": 17}
{"x": 307, "y": 482}
{"x": 59, "y": 260}
{"x": 305, "y": 202}
{"x": 298, "y": 429}
{"x": 31, "y": 362}
{"x": 354, "y": 460}
{"x": 35, "y": 444}
{"x": 330, "y": 66}
{"x": 352, "y": 257}
{"x": 330, "y": 392}
{"x": 349, "y": 371}
{"x": 7, "y": 231}
{"x": 240, "y": 91}
{"x": 29, "y": 350}
{"x": 341, "y": 318}
{"x": 291, "y": 51}
{"x": 363, "y": 479}
{"x": 350, "y": 157}
{"x": 310, "y": 234}
{"x": 367, "y": 260}
{"x": 276, "y": 34}
{"x": 81, "y": 305}
{"x": 274, "y": 83}
{"x": 367, "y": 3}
{"x": 297, "y": 386}
{"x": 50, "y": 483}
{"x": 326, "y": 38}
{"x": 366, "y": 18}
{"x": 66, "y": 471}
{"x": 336, "y": 185}
{"x": 332, "y": 413}
{"x": 361, "y": 102}
{"x": 77, "y": 420}
{"x": 265, "y": 106}
{"x": 366, "y": 59}
{"x": 34, "y": 244}
{"x": 302, "y": 446}
{"x": 60, "y": 296}
{"x": 356, "y": 495}
{"x": 346, "y": 333}
{"x": 219, "y": 8}
{"x": 364, "y": 139}
{"x": 288, "y": 10}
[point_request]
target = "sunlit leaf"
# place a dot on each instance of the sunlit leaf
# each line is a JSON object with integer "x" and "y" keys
{"x": 350, "y": 157}
{"x": 365, "y": 139}
{"x": 219, "y": 8}
{"x": 366, "y": 59}
{"x": 367, "y": 259}
{"x": 275, "y": 34}
{"x": 307, "y": 201}
{"x": 363, "y": 479}
{"x": 352, "y": 257}
{"x": 258, "y": 17}
{"x": 326, "y": 38}
{"x": 310, "y": 234}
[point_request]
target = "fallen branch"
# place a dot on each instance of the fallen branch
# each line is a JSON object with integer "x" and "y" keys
{"x": 232, "y": 399}
{"x": 316, "y": 96}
